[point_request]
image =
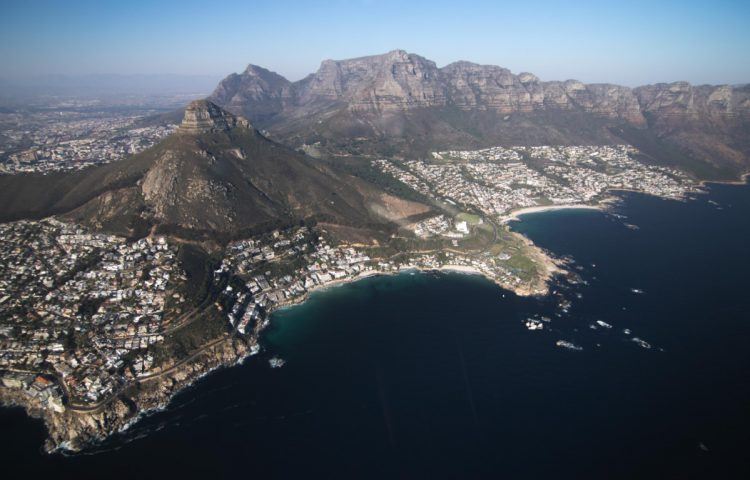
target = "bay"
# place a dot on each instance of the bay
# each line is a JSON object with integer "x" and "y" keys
{"x": 436, "y": 375}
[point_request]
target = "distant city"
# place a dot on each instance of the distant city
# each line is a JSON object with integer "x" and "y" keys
{"x": 71, "y": 133}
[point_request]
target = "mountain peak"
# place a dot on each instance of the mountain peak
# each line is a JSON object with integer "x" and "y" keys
{"x": 205, "y": 116}
{"x": 398, "y": 53}
{"x": 255, "y": 69}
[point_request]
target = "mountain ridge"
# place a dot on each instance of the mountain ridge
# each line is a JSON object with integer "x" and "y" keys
{"x": 217, "y": 176}
{"x": 402, "y": 103}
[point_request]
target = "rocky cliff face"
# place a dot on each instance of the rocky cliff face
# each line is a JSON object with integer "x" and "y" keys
{"x": 256, "y": 93}
{"x": 682, "y": 101}
{"x": 404, "y": 104}
{"x": 399, "y": 80}
{"x": 202, "y": 116}
{"x": 709, "y": 124}
{"x": 473, "y": 86}
{"x": 73, "y": 430}
{"x": 381, "y": 82}
{"x": 215, "y": 177}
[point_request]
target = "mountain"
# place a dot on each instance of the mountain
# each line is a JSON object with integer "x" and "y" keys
{"x": 403, "y": 104}
{"x": 710, "y": 123}
{"x": 216, "y": 175}
{"x": 256, "y": 93}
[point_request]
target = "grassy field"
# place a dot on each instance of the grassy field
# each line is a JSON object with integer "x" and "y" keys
{"x": 523, "y": 266}
{"x": 469, "y": 218}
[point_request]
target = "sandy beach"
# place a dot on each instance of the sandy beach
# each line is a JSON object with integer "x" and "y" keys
{"x": 326, "y": 286}
{"x": 459, "y": 269}
{"x": 514, "y": 215}
{"x": 465, "y": 269}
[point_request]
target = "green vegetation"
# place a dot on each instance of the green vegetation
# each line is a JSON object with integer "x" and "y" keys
{"x": 281, "y": 267}
{"x": 659, "y": 151}
{"x": 522, "y": 265}
{"x": 480, "y": 239}
{"x": 498, "y": 248}
{"x": 470, "y": 218}
{"x": 198, "y": 267}
{"x": 362, "y": 168}
{"x": 208, "y": 326}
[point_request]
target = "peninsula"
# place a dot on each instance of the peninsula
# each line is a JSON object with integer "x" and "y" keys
{"x": 124, "y": 282}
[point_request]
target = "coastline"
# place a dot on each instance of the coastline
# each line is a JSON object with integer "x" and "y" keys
{"x": 603, "y": 203}
{"x": 744, "y": 180}
{"x": 549, "y": 264}
{"x": 321, "y": 288}
{"x": 515, "y": 215}
{"x": 74, "y": 430}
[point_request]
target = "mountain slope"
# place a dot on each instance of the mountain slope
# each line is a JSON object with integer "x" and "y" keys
{"x": 401, "y": 103}
{"x": 255, "y": 93}
{"x": 216, "y": 175}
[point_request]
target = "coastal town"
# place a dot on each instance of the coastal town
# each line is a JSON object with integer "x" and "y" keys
{"x": 79, "y": 310}
{"x": 84, "y": 315}
{"x": 88, "y": 318}
{"x": 498, "y": 180}
{"x": 283, "y": 268}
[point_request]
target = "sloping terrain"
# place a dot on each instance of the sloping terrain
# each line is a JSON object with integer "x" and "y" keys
{"x": 216, "y": 175}
{"x": 403, "y": 104}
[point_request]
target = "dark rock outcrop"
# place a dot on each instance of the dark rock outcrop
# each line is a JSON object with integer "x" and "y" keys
{"x": 202, "y": 116}
{"x": 74, "y": 430}
{"x": 256, "y": 93}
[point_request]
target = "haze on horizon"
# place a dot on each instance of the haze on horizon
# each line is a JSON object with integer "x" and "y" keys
{"x": 629, "y": 43}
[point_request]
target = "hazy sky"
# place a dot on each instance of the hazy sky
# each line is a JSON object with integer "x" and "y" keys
{"x": 629, "y": 42}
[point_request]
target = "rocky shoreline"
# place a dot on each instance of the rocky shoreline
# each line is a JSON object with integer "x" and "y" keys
{"x": 552, "y": 267}
{"x": 73, "y": 430}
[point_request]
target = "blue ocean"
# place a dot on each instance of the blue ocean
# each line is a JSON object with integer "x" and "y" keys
{"x": 437, "y": 375}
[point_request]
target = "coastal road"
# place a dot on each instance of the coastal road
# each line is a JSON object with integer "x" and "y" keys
{"x": 97, "y": 406}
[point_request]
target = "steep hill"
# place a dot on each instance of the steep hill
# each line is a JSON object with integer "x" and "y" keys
{"x": 216, "y": 176}
{"x": 401, "y": 103}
